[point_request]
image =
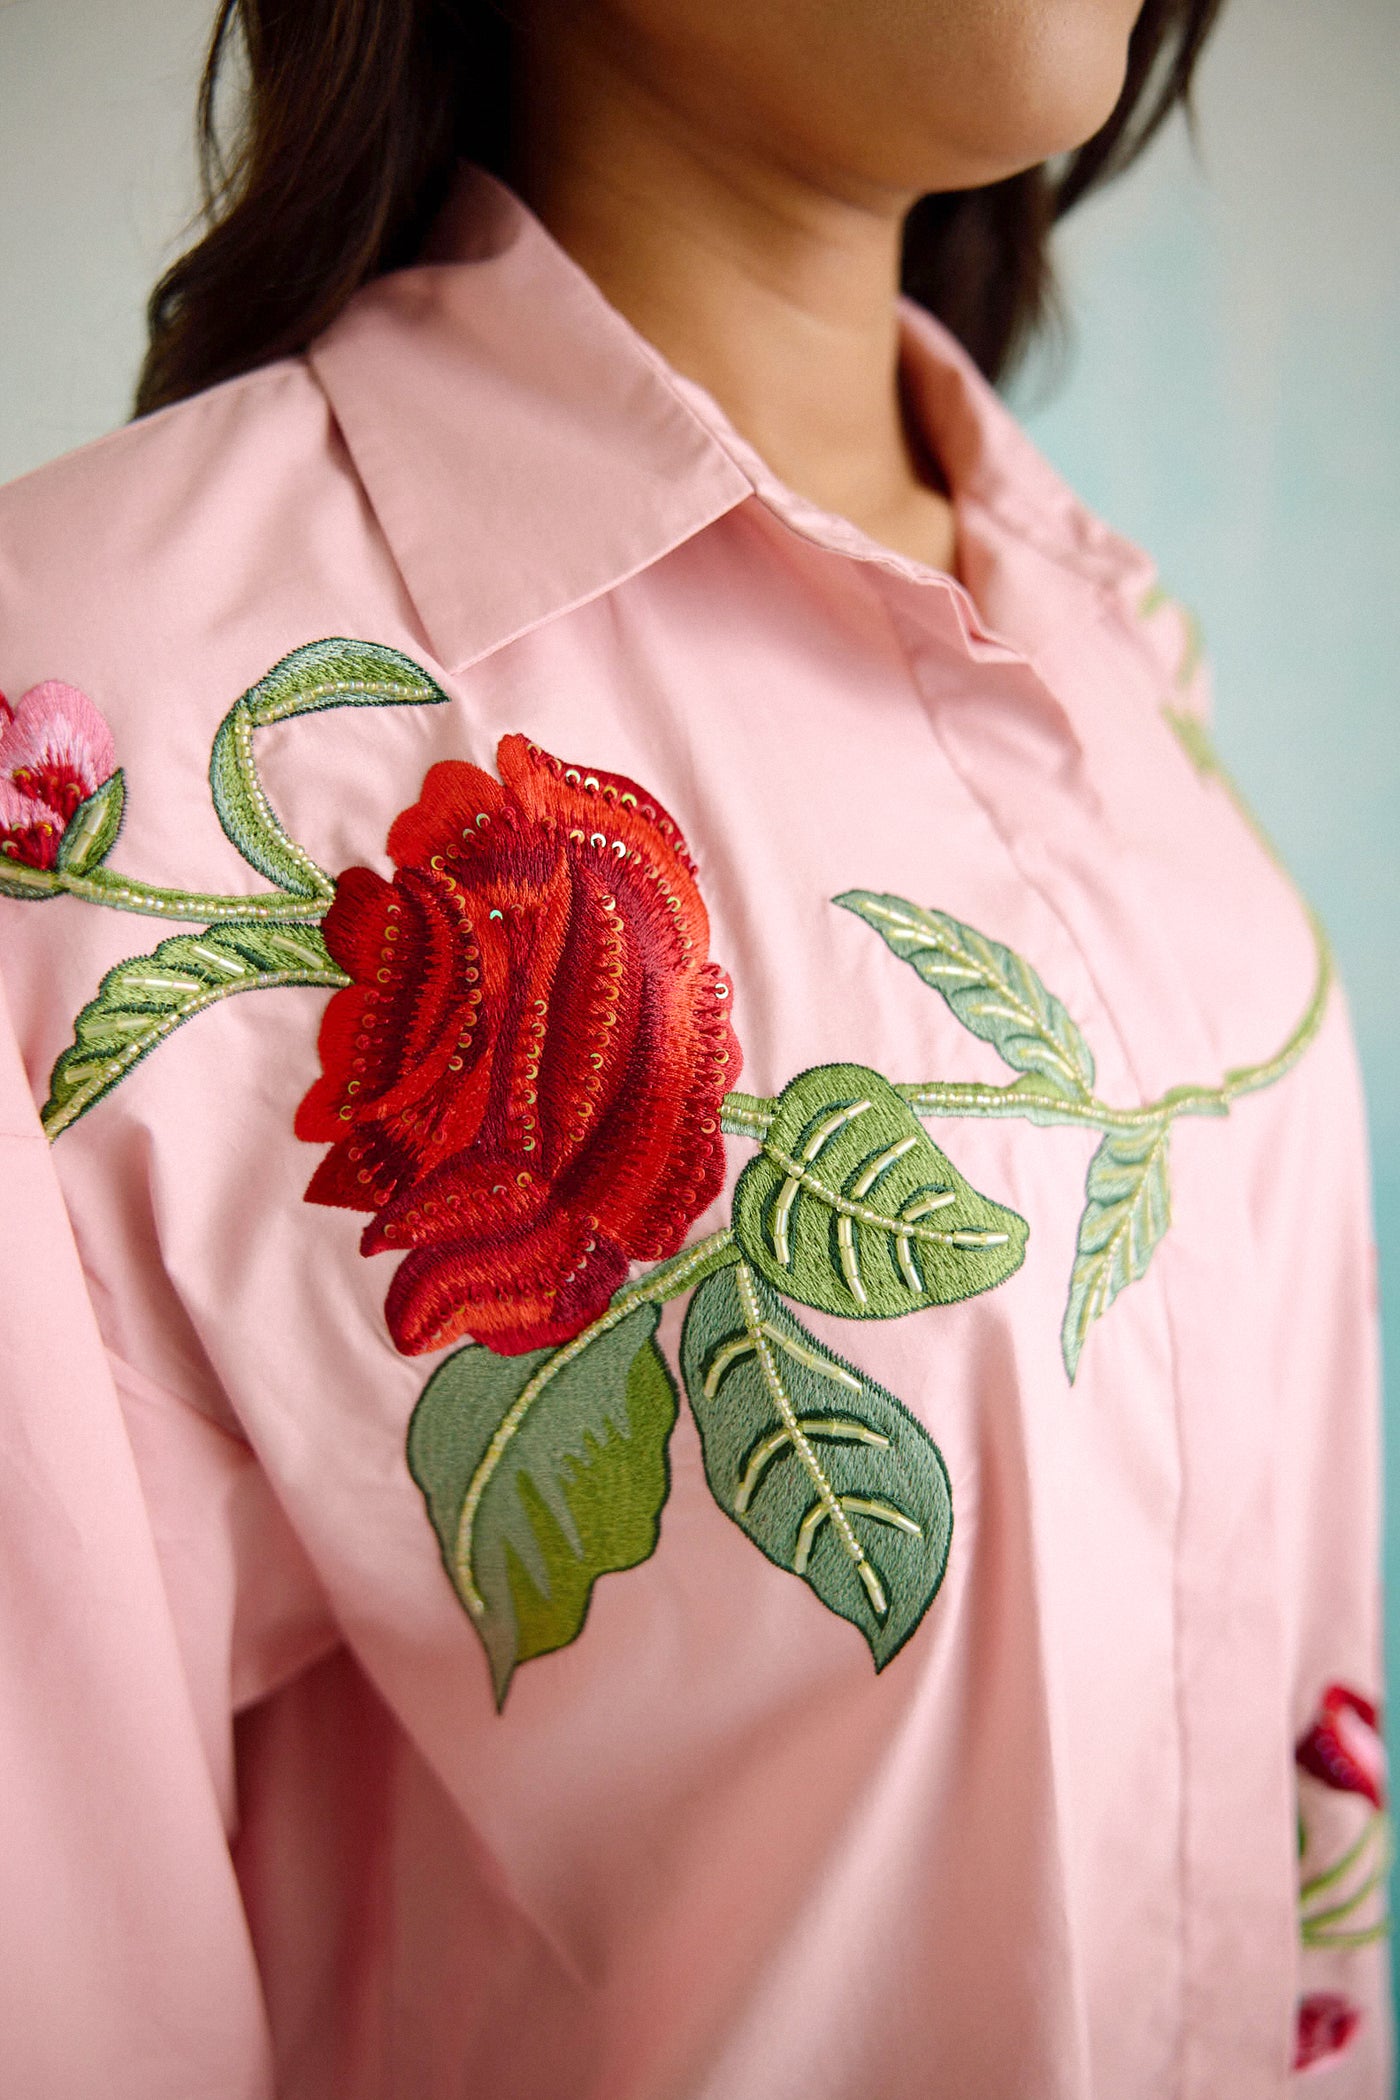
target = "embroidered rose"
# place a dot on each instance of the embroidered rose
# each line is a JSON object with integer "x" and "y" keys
{"x": 1327, "y": 2022}
{"x": 1343, "y": 1747}
{"x": 55, "y": 751}
{"x": 523, "y": 1082}
{"x": 525, "y": 1062}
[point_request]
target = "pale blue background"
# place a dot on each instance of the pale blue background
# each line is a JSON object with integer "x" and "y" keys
{"x": 1233, "y": 401}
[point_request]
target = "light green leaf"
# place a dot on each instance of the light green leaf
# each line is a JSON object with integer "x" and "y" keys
{"x": 993, "y": 991}
{"x": 821, "y": 1467}
{"x": 92, "y": 829}
{"x": 541, "y": 1473}
{"x": 851, "y": 1207}
{"x": 332, "y": 673}
{"x": 142, "y": 1000}
{"x": 1128, "y": 1210}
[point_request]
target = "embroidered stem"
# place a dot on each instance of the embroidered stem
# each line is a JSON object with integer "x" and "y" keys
{"x": 123, "y": 893}
{"x": 1317, "y": 1926}
{"x": 657, "y": 1287}
{"x": 1366, "y": 1936}
{"x": 18, "y": 879}
{"x": 1248, "y": 1079}
{"x": 1318, "y": 1884}
{"x": 1312, "y": 1921}
{"x": 746, "y": 1115}
{"x": 750, "y": 1115}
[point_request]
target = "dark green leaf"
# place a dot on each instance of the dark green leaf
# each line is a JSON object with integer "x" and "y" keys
{"x": 851, "y": 1207}
{"x": 332, "y": 673}
{"x": 822, "y": 1468}
{"x": 1128, "y": 1210}
{"x": 991, "y": 989}
{"x": 142, "y": 1000}
{"x": 92, "y": 829}
{"x": 541, "y": 1473}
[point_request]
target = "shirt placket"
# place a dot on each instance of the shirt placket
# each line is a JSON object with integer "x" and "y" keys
{"x": 1034, "y": 759}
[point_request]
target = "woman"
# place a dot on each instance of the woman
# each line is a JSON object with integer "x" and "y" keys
{"x": 829, "y": 1065}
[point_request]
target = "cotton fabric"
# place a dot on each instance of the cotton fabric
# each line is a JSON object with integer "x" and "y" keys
{"x": 265, "y": 1831}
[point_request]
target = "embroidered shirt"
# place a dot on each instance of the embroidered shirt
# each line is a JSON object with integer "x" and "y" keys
{"x": 791, "y": 1558}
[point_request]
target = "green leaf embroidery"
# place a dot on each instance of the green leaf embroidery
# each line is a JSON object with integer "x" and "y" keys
{"x": 991, "y": 989}
{"x": 1128, "y": 1210}
{"x": 92, "y": 829}
{"x": 852, "y": 1208}
{"x": 334, "y": 673}
{"x": 999, "y": 997}
{"x": 143, "y": 999}
{"x": 541, "y": 1473}
{"x": 822, "y": 1468}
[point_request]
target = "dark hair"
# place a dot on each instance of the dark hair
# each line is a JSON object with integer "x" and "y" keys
{"x": 355, "y": 114}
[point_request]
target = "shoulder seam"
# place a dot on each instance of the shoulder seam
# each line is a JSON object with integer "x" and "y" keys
{"x": 280, "y": 369}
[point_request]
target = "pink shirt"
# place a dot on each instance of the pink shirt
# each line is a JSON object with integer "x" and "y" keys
{"x": 776, "y": 898}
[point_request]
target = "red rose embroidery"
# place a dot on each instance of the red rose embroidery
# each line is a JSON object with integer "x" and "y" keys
{"x": 1343, "y": 1747}
{"x": 523, "y": 1082}
{"x": 55, "y": 751}
{"x": 1327, "y": 2023}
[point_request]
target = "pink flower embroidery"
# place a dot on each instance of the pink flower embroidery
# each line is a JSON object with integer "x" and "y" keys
{"x": 1343, "y": 1747}
{"x": 55, "y": 751}
{"x": 1326, "y": 2024}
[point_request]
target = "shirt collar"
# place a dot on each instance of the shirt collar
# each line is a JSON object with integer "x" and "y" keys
{"x": 525, "y": 450}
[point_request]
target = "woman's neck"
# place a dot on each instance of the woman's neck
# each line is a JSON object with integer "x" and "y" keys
{"x": 772, "y": 287}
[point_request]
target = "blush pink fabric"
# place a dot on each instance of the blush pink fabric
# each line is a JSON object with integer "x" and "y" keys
{"x": 264, "y": 1831}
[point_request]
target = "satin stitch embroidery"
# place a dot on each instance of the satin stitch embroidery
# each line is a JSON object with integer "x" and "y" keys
{"x": 527, "y": 1070}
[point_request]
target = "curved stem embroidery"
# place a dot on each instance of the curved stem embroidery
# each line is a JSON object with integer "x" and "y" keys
{"x": 668, "y": 1281}
{"x": 123, "y": 893}
{"x": 997, "y": 996}
{"x": 541, "y": 1446}
{"x": 751, "y": 1115}
{"x": 1319, "y": 1884}
{"x": 1325, "y": 1925}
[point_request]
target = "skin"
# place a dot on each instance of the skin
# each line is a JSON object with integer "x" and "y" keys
{"x": 734, "y": 175}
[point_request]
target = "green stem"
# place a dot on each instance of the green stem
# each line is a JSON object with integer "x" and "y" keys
{"x": 751, "y": 1115}
{"x": 684, "y": 1270}
{"x": 1365, "y": 1937}
{"x": 959, "y": 1098}
{"x": 1316, "y": 1924}
{"x": 1318, "y": 1884}
{"x": 1347, "y": 1908}
{"x": 18, "y": 879}
{"x": 123, "y": 893}
{"x": 746, "y": 1115}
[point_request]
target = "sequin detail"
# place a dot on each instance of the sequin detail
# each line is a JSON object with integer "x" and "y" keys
{"x": 523, "y": 1081}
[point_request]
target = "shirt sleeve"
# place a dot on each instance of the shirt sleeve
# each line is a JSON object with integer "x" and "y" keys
{"x": 128, "y": 1967}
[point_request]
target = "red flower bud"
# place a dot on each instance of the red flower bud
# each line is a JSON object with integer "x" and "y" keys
{"x": 1326, "y": 2024}
{"x": 1343, "y": 1747}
